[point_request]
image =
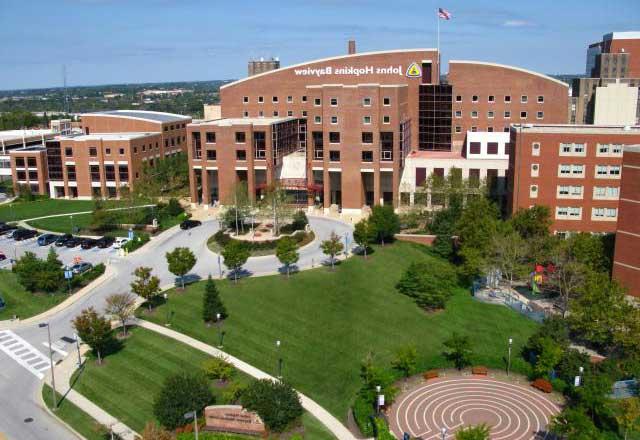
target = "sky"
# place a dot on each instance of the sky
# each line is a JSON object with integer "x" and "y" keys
{"x": 134, "y": 41}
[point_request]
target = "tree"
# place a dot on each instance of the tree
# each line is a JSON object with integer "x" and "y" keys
{"x": 364, "y": 234}
{"x": 145, "y": 285}
{"x": 287, "y": 252}
{"x": 384, "y": 222}
{"x": 154, "y": 432}
{"x": 235, "y": 254}
{"x": 627, "y": 331}
{"x": 549, "y": 355}
{"x": 211, "y": 303}
{"x": 406, "y": 360}
{"x": 509, "y": 253}
{"x": 332, "y": 247}
{"x": 476, "y": 228}
{"x": 181, "y": 260}
{"x": 276, "y": 204}
{"x": 122, "y": 306}
{"x": 277, "y": 403}
{"x": 628, "y": 417}
{"x": 36, "y": 274}
{"x": 430, "y": 284}
{"x": 568, "y": 275}
{"x": 458, "y": 350}
{"x": 532, "y": 222}
{"x": 573, "y": 424}
{"x": 589, "y": 250}
{"x": 477, "y": 432}
{"x": 94, "y": 330}
{"x": 181, "y": 393}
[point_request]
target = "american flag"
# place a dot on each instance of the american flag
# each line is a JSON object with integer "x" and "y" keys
{"x": 443, "y": 13}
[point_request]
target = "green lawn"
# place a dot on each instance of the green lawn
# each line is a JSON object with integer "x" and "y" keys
{"x": 40, "y": 208}
{"x": 64, "y": 225}
{"x": 126, "y": 385}
{"x": 328, "y": 322}
{"x": 82, "y": 422}
{"x": 22, "y": 303}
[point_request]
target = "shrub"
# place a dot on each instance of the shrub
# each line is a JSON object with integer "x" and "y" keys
{"x": 181, "y": 393}
{"x": 86, "y": 278}
{"x": 222, "y": 239}
{"x": 233, "y": 393}
{"x": 382, "y": 430}
{"x": 478, "y": 432}
{"x": 139, "y": 240}
{"x": 363, "y": 412}
{"x": 277, "y": 403}
{"x": 542, "y": 385}
{"x": 218, "y": 368}
{"x": 299, "y": 223}
{"x": 559, "y": 385}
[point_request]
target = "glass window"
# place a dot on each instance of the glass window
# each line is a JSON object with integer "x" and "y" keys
{"x": 245, "y": 99}
{"x": 334, "y": 102}
{"x": 274, "y": 99}
{"x": 367, "y": 137}
{"x": 241, "y": 155}
{"x": 334, "y": 137}
{"x": 366, "y": 102}
{"x": 492, "y": 148}
{"x": 334, "y": 119}
{"x": 334, "y": 156}
{"x": 474, "y": 98}
{"x": 240, "y": 137}
{"x": 492, "y": 98}
{"x": 507, "y": 98}
{"x": 524, "y": 99}
{"x": 317, "y": 102}
{"x": 386, "y": 119}
{"x": 386, "y": 101}
{"x": 366, "y": 120}
{"x": 474, "y": 147}
{"x": 317, "y": 119}
{"x": 458, "y": 98}
{"x": 211, "y": 137}
{"x": 367, "y": 156}
{"x": 523, "y": 115}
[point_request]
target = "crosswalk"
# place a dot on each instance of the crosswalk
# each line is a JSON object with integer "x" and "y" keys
{"x": 25, "y": 354}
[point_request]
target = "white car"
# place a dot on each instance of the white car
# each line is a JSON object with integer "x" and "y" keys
{"x": 120, "y": 241}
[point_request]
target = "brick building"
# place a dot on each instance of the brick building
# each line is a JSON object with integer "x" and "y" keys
{"x": 361, "y": 115}
{"x": 110, "y": 154}
{"x": 626, "y": 261}
{"x": 575, "y": 170}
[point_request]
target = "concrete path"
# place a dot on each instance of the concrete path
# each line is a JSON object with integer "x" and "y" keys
{"x": 330, "y": 422}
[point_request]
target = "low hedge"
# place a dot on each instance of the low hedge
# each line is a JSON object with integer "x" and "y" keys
{"x": 222, "y": 239}
{"x": 139, "y": 240}
{"x": 363, "y": 413}
{"x": 382, "y": 430}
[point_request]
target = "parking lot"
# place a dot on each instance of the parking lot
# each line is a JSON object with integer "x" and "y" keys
{"x": 15, "y": 249}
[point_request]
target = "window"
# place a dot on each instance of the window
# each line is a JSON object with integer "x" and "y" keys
{"x": 245, "y": 114}
{"x": 241, "y": 155}
{"x": 135, "y": 150}
{"x": 68, "y": 151}
{"x": 260, "y": 99}
{"x": 366, "y": 120}
{"x": 523, "y": 115}
{"x": 574, "y": 170}
{"x": 289, "y": 112}
{"x": 211, "y": 137}
{"x": 93, "y": 152}
{"x": 173, "y": 127}
{"x": 474, "y": 147}
{"x": 31, "y": 162}
{"x": 458, "y": 113}
{"x": 608, "y": 192}
{"x": 535, "y": 170}
{"x": 107, "y": 151}
{"x": 474, "y": 129}
{"x": 334, "y": 156}
{"x": 71, "y": 172}
{"x": 458, "y": 98}
{"x": 144, "y": 147}
{"x": 304, "y": 98}
{"x": 386, "y": 119}
{"x": 492, "y": 148}
{"x": 540, "y": 115}
{"x": 274, "y": 99}
{"x": 333, "y": 102}
{"x": 507, "y": 114}
{"x": 458, "y": 129}
{"x": 211, "y": 154}
{"x": 367, "y": 137}
{"x": 240, "y": 137}
{"x": 317, "y": 119}
{"x": 366, "y": 102}
{"x": 569, "y": 191}
{"x": 540, "y": 99}
{"x": 166, "y": 128}
{"x": 490, "y": 129}
{"x": 367, "y": 156}
{"x": 474, "y": 114}
{"x": 289, "y": 99}
{"x": 524, "y": 99}
{"x": 317, "y": 102}
{"x": 304, "y": 113}
{"x": 334, "y": 120}
{"x": 607, "y": 171}
{"x": 474, "y": 98}
{"x": 609, "y": 150}
{"x": 568, "y": 212}
{"x": 490, "y": 115}
{"x": 334, "y": 137}
{"x": 533, "y": 191}
{"x": 507, "y": 99}
{"x": 386, "y": 101}
{"x": 535, "y": 149}
{"x": 492, "y": 98}
{"x": 604, "y": 213}
{"x": 275, "y": 113}
{"x": 245, "y": 99}
{"x": 121, "y": 150}
{"x": 567, "y": 149}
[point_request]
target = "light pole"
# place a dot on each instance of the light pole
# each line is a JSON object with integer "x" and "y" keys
{"x": 220, "y": 333}
{"x": 53, "y": 376}
{"x": 71, "y": 220}
{"x": 578, "y": 379}
{"x": 443, "y": 431}
{"x": 166, "y": 297}
{"x": 77, "y": 338}
{"x": 509, "y": 358}
{"x": 378, "y": 388}
{"x": 193, "y": 415}
{"x": 219, "y": 266}
{"x": 279, "y": 359}
{"x": 346, "y": 244}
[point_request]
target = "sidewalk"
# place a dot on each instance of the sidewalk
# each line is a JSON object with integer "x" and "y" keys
{"x": 63, "y": 372}
{"x": 330, "y": 422}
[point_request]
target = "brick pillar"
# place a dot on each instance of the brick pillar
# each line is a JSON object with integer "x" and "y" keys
{"x": 326, "y": 188}
{"x": 395, "y": 185}
{"x": 206, "y": 192}
{"x": 193, "y": 185}
{"x": 376, "y": 188}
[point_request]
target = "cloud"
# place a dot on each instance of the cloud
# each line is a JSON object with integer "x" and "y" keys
{"x": 517, "y": 23}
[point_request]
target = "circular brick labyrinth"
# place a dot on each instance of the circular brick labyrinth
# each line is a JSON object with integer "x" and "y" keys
{"x": 513, "y": 412}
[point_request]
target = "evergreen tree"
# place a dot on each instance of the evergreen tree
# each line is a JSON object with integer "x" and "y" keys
{"x": 212, "y": 304}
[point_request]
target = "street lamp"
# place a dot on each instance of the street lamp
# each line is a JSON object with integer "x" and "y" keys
{"x": 166, "y": 297}
{"x": 443, "y": 431}
{"x": 77, "y": 338}
{"x": 378, "y": 388}
{"x": 346, "y": 244}
{"x": 509, "y": 358}
{"x": 193, "y": 415}
{"x": 578, "y": 379}
{"x": 219, "y": 325}
{"x": 71, "y": 220}
{"x": 219, "y": 266}
{"x": 53, "y": 376}
{"x": 279, "y": 359}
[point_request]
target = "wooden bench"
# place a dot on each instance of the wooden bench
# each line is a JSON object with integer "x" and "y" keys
{"x": 542, "y": 385}
{"x": 479, "y": 371}
{"x": 431, "y": 374}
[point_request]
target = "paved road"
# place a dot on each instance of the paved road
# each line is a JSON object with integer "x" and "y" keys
{"x": 19, "y": 386}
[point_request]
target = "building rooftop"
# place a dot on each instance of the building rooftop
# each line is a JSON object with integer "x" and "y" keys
{"x": 27, "y": 149}
{"x": 579, "y": 129}
{"x": 142, "y": 114}
{"x": 109, "y": 136}
{"x": 632, "y": 35}
{"x": 632, "y": 148}
{"x": 10, "y": 135}
{"x": 435, "y": 155}
{"x": 226, "y": 122}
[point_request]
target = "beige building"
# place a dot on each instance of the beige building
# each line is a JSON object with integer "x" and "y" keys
{"x": 616, "y": 103}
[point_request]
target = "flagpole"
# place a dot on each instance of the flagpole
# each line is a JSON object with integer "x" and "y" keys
{"x": 438, "y": 21}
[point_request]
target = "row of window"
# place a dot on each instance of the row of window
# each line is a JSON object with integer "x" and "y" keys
{"x": 576, "y": 192}
{"x": 580, "y": 149}
{"x": 333, "y": 102}
{"x": 524, "y": 99}
{"x": 577, "y": 171}
{"x": 174, "y": 127}
{"x": 334, "y": 156}
{"x": 366, "y": 120}
{"x": 506, "y": 114}
{"x": 575, "y": 213}
{"x": 31, "y": 162}
{"x": 474, "y": 129}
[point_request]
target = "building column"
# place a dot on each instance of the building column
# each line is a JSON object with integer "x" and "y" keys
{"x": 395, "y": 186}
{"x": 193, "y": 185}
{"x": 251, "y": 182}
{"x": 206, "y": 192}
{"x": 376, "y": 189}
{"x": 326, "y": 187}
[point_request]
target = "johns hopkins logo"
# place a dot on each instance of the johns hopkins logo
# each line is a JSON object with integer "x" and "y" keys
{"x": 414, "y": 71}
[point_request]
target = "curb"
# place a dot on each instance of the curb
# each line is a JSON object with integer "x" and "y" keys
{"x": 54, "y": 416}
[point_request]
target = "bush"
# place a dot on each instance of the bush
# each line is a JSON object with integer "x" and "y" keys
{"x": 85, "y": 278}
{"x": 299, "y": 223}
{"x": 559, "y": 385}
{"x": 222, "y": 239}
{"x": 277, "y": 403}
{"x": 39, "y": 275}
{"x": 218, "y": 368}
{"x": 181, "y": 393}
{"x": 363, "y": 413}
{"x": 382, "y": 430}
{"x": 139, "y": 240}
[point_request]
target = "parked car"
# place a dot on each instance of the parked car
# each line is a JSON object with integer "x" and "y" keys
{"x": 188, "y": 224}
{"x": 23, "y": 234}
{"x": 5, "y": 229}
{"x": 62, "y": 240}
{"x": 105, "y": 242}
{"x": 46, "y": 239}
{"x": 81, "y": 268}
{"x": 88, "y": 243}
{"x": 120, "y": 241}
{"x": 73, "y": 242}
